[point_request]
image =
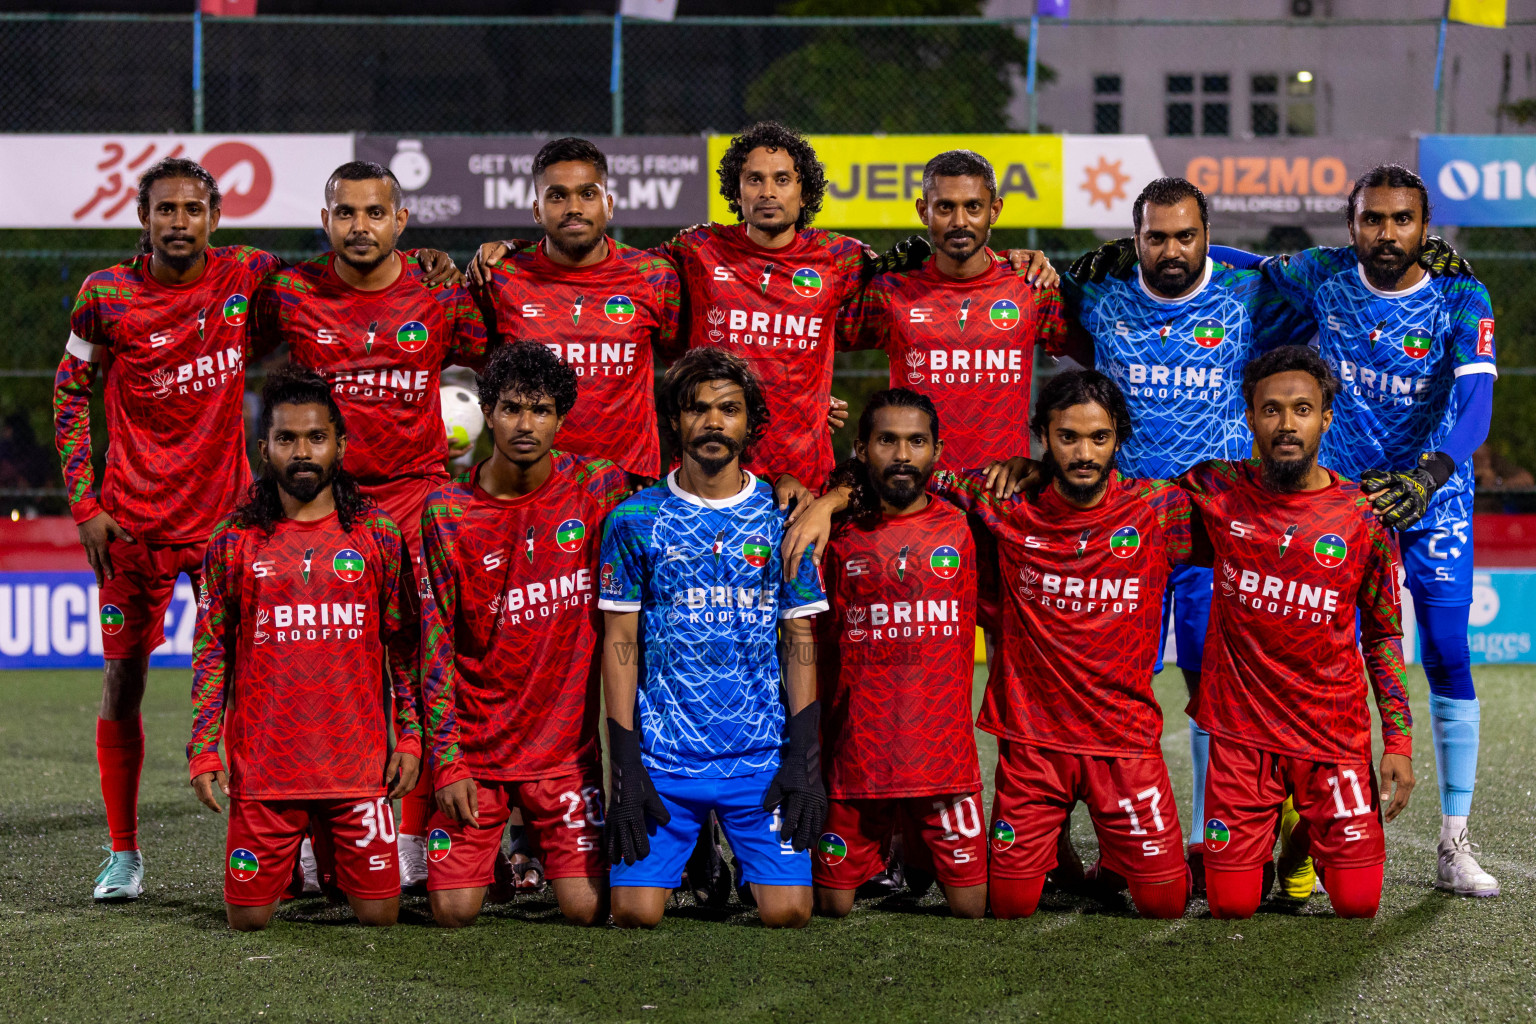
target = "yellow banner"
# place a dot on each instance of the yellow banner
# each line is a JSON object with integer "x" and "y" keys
{"x": 874, "y": 181}
{"x": 1490, "y": 13}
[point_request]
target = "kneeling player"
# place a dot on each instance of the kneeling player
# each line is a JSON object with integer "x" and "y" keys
{"x": 1085, "y": 562}
{"x": 895, "y": 656}
{"x": 510, "y": 631}
{"x": 303, "y": 591}
{"x": 1298, "y": 551}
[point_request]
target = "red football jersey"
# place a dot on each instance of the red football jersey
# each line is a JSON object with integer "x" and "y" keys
{"x": 1082, "y": 615}
{"x": 776, "y": 308}
{"x": 383, "y": 352}
{"x": 968, "y": 344}
{"x": 896, "y": 654}
{"x": 292, "y": 633}
{"x": 606, "y": 320}
{"x": 174, "y": 360}
{"x": 511, "y": 625}
{"x": 1282, "y": 670}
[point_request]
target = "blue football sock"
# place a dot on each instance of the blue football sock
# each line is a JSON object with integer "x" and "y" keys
{"x": 1200, "y": 754}
{"x": 1454, "y": 724}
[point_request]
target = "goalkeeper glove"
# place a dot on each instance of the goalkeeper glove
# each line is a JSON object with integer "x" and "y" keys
{"x": 1441, "y": 260}
{"x": 631, "y": 797}
{"x": 797, "y": 789}
{"x": 1402, "y": 498}
{"x": 1115, "y": 258}
{"x": 907, "y": 254}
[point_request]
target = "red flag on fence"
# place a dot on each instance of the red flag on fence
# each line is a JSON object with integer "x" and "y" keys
{"x": 229, "y": 8}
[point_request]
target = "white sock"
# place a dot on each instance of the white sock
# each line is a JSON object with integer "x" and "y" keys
{"x": 1451, "y": 826}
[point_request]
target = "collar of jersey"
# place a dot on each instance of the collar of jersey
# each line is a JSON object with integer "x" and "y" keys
{"x": 561, "y": 270}
{"x": 1205, "y": 279}
{"x": 694, "y": 499}
{"x": 1360, "y": 273}
{"x": 150, "y": 280}
{"x": 401, "y": 280}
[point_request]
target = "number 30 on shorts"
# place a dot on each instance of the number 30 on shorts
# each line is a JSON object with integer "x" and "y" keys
{"x": 379, "y": 819}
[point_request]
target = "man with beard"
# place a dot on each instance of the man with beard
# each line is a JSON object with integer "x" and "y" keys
{"x": 364, "y": 317}
{"x": 304, "y": 610}
{"x": 599, "y": 304}
{"x": 895, "y": 658}
{"x": 1175, "y": 335}
{"x": 1301, "y": 558}
{"x": 1085, "y": 559}
{"x": 695, "y": 598}
{"x": 511, "y": 629}
{"x": 1416, "y": 355}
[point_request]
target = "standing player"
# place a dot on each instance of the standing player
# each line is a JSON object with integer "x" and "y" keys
{"x": 167, "y": 328}
{"x": 1414, "y": 348}
{"x": 304, "y": 609}
{"x": 601, "y": 305}
{"x": 1301, "y": 558}
{"x": 1069, "y": 695}
{"x": 363, "y": 316}
{"x": 511, "y": 627}
{"x": 895, "y": 656}
{"x": 693, "y": 591}
{"x": 1175, "y": 335}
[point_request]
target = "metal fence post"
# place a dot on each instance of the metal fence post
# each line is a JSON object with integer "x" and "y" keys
{"x": 616, "y": 77}
{"x": 1034, "y": 102}
{"x": 197, "y": 68}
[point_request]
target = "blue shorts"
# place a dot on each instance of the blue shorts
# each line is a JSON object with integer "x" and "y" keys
{"x": 752, "y": 832}
{"x": 1438, "y": 564}
{"x": 1189, "y": 599}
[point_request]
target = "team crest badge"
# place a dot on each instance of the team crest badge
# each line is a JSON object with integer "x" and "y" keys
{"x": 756, "y": 550}
{"x": 945, "y": 562}
{"x": 1217, "y": 835}
{"x": 606, "y": 580}
{"x": 439, "y": 845}
{"x": 1485, "y": 338}
{"x": 111, "y": 619}
{"x": 619, "y": 309}
{"x": 831, "y": 849}
{"x": 348, "y": 565}
{"x": 1002, "y": 835}
{"x": 1330, "y": 550}
{"x": 235, "y": 309}
{"x": 1416, "y": 346}
{"x": 243, "y": 865}
{"x": 1124, "y": 542}
{"x": 412, "y": 336}
{"x": 1004, "y": 314}
{"x": 806, "y": 283}
{"x": 570, "y": 534}
{"x": 1210, "y": 332}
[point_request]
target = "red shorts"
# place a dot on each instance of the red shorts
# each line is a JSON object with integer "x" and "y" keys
{"x": 1339, "y": 804}
{"x": 563, "y": 816}
{"x": 404, "y": 500}
{"x": 134, "y": 600}
{"x": 948, "y": 828}
{"x": 264, "y": 838}
{"x": 1129, "y": 799}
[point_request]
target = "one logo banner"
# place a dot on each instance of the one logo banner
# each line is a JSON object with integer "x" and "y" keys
{"x": 1480, "y": 180}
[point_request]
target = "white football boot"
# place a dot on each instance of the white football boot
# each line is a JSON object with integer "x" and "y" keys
{"x": 1459, "y": 871}
{"x": 122, "y": 875}
{"x": 413, "y": 861}
{"x": 309, "y": 867}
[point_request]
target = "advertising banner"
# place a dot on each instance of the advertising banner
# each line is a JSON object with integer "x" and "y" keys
{"x": 91, "y": 181}
{"x": 55, "y": 620}
{"x": 1259, "y": 182}
{"x": 487, "y": 181}
{"x": 1480, "y": 180}
{"x": 1503, "y": 616}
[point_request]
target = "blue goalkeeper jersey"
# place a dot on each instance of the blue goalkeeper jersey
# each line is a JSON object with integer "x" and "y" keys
{"x": 708, "y": 582}
{"x": 1179, "y": 362}
{"x": 1397, "y": 356}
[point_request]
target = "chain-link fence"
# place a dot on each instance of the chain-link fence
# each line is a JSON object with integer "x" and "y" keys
{"x": 104, "y": 73}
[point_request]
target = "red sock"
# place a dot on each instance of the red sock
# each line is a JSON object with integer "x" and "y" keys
{"x": 1354, "y": 892}
{"x": 1164, "y": 900}
{"x": 416, "y": 806}
{"x": 1234, "y": 894}
{"x": 120, "y": 756}
{"x": 1014, "y": 897}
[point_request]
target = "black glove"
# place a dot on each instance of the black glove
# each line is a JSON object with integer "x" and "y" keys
{"x": 1116, "y": 258}
{"x": 630, "y": 798}
{"x": 1403, "y": 498}
{"x": 797, "y": 789}
{"x": 907, "y": 254}
{"x": 1441, "y": 260}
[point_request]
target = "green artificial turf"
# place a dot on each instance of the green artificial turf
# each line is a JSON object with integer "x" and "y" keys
{"x": 1428, "y": 956}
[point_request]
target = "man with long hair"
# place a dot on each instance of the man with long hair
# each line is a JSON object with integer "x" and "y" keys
{"x": 303, "y": 611}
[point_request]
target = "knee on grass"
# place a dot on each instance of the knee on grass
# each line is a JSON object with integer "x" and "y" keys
{"x": 1234, "y": 895}
{"x": 1015, "y": 897}
{"x": 1354, "y": 892}
{"x": 834, "y": 902}
{"x": 1160, "y": 900}
{"x": 249, "y": 919}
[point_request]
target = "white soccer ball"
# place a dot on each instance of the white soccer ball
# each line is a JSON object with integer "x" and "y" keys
{"x": 462, "y": 419}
